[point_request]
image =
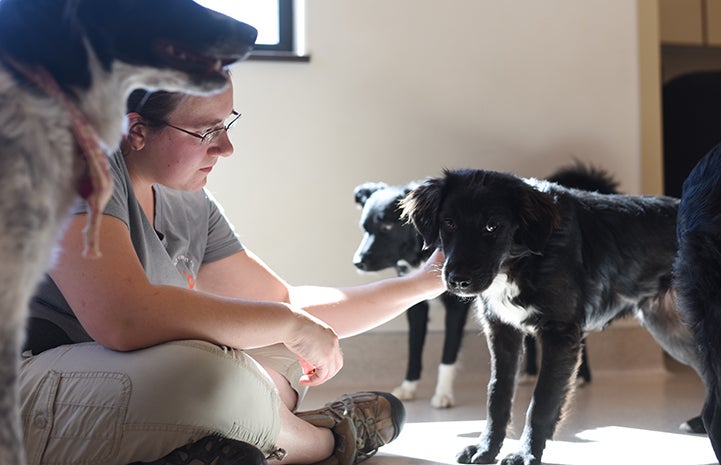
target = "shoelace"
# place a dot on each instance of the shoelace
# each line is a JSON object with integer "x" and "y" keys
{"x": 366, "y": 430}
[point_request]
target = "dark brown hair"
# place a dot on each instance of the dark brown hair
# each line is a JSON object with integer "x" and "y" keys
{"x": 154, "y": 107}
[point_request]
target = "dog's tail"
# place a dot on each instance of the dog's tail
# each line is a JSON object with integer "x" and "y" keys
{"x": 697, "y": 277}
{"x": 585, "y": 177}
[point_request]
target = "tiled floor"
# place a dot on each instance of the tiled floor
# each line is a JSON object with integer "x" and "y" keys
{"x": 624, "y": 417}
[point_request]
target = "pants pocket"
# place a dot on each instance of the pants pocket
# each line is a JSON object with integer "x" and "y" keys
{"x": 76, "y": 418}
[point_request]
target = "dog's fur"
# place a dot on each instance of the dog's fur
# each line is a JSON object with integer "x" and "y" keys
{"x": 97, "y": 51}
{"x": 555, "y": 262}
{"x": 587, "y": 178}
{"x": 697, "y": 278}
{"x": 390, "y": 242}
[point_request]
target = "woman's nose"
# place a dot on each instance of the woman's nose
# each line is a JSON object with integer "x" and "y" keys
{"x": 224, "y": 144}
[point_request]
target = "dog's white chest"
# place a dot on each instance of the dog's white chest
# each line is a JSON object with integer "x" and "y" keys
{"x": 499, "y": 299}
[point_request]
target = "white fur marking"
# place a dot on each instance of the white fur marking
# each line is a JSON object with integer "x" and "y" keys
{"x": 443, "y": 397}
{"x": 499, "y": 299}
{"x": 406, "y": 391}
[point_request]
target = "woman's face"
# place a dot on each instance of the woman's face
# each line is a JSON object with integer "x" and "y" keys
{"x": 181, "y": 161}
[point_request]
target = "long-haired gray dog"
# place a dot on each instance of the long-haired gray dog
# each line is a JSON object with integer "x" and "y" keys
{"x": 66, "y": 69}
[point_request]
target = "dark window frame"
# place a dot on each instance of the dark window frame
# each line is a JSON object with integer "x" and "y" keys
{"x": 284, "y": 50}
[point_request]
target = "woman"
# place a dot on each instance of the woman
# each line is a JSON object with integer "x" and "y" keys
{"x": 179, "y": 332}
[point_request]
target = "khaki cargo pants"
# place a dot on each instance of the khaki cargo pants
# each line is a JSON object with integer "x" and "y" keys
{"x": 85, "y": 404}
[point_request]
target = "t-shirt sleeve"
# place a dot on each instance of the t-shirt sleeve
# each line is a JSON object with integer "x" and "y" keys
{"x": 222, "y": 239}
{"x": 117, "y": 206}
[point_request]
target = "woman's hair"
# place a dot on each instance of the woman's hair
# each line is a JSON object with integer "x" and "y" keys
{"x": 154, "y": 107}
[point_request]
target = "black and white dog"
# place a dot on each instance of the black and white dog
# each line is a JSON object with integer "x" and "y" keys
{"x": 697, "y": 278}
{"x": 554, "y": 262}
{"x": 66, "y": 70}
{"x": 391, "y": 242}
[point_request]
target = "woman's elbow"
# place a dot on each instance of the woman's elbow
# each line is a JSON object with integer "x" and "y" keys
{"x": 117, "y": 337}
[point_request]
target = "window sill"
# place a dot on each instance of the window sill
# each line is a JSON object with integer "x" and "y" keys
{"x": 272, "y": 55}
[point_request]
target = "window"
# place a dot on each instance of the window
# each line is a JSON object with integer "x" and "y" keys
{"x": 273, "y": 18}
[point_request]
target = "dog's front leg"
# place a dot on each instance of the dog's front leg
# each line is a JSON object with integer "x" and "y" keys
{"x": 504, "y": 343}
{"x": 456, "y": 316}
{"x": 560, "y": 354}
{"x": 11, "y": 445}
{"x": 417, "y": 328}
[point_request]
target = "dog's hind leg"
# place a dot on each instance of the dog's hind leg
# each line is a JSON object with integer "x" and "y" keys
{"x": 530, "y": 367}
{"x": 417, "y": 317}
{"x": 661, "y": 318}
{"x": 504, "y": 343}
{"x": 456, "y": 317}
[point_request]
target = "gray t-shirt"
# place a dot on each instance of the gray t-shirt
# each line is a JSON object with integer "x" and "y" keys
{"x": 190, "y": 230}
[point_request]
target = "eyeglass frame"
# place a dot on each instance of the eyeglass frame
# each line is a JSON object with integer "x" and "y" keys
{"x": 209, "y": 133}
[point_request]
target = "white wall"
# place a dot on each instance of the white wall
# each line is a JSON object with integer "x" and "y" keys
{"x": 398, "y": 90}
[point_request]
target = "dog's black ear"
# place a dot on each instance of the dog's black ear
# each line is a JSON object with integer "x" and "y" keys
{"x": 539, "y": 217}
{"x": 421, "y": 206}
{"x": 363, "y": 191}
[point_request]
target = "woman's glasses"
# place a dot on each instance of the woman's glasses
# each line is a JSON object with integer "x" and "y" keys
{"x": 207, "y": 137}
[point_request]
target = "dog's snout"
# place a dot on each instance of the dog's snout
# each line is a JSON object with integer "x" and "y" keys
{"x": 458, "y": 282}
{"x": 361, "y": 265}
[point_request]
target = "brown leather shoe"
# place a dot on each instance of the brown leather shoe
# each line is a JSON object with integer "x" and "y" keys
{"x": 361, "y": 423}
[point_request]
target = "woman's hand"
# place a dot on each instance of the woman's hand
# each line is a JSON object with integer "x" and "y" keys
{"x": 433, "y": 271}
{"x": 317, "y": 348}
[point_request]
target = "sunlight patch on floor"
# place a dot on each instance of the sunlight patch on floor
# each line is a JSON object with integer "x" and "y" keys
{"x": 438, "y": 442}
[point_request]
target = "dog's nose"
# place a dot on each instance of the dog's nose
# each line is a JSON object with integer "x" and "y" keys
{"x": 361, "y": 266}
{"x": 458, "y": 282}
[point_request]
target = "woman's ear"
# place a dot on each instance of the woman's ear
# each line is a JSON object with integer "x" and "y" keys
{"x": 137, "y": 132}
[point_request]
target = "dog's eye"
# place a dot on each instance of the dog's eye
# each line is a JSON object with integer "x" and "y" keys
{"x": 491, "y": 227}
{"x": 450, "y": 224}
{"x": 386, "y": 227}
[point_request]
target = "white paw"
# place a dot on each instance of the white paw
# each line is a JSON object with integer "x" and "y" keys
{"x": 406, "y": 391}
{"x": 442, "y": 400}
{"x": 443, "y": 397}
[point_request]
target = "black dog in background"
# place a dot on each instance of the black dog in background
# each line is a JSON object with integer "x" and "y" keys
{"x": 391, "y": 242}
{"x": 555, "y": 262}
{"x": 697, "y": 274}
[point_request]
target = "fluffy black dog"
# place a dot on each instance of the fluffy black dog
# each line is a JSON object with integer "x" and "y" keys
{"x": 554, "y": 262}
{"x": 697, "y": 272}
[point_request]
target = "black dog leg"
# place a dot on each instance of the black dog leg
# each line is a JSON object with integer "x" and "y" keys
{"x": 560, "y": 353}
{"x": 529, "y": 344}
{"x": 456, "y": 317}
{"x": 504, "y": 342}
{"x": 417, "y": 328}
